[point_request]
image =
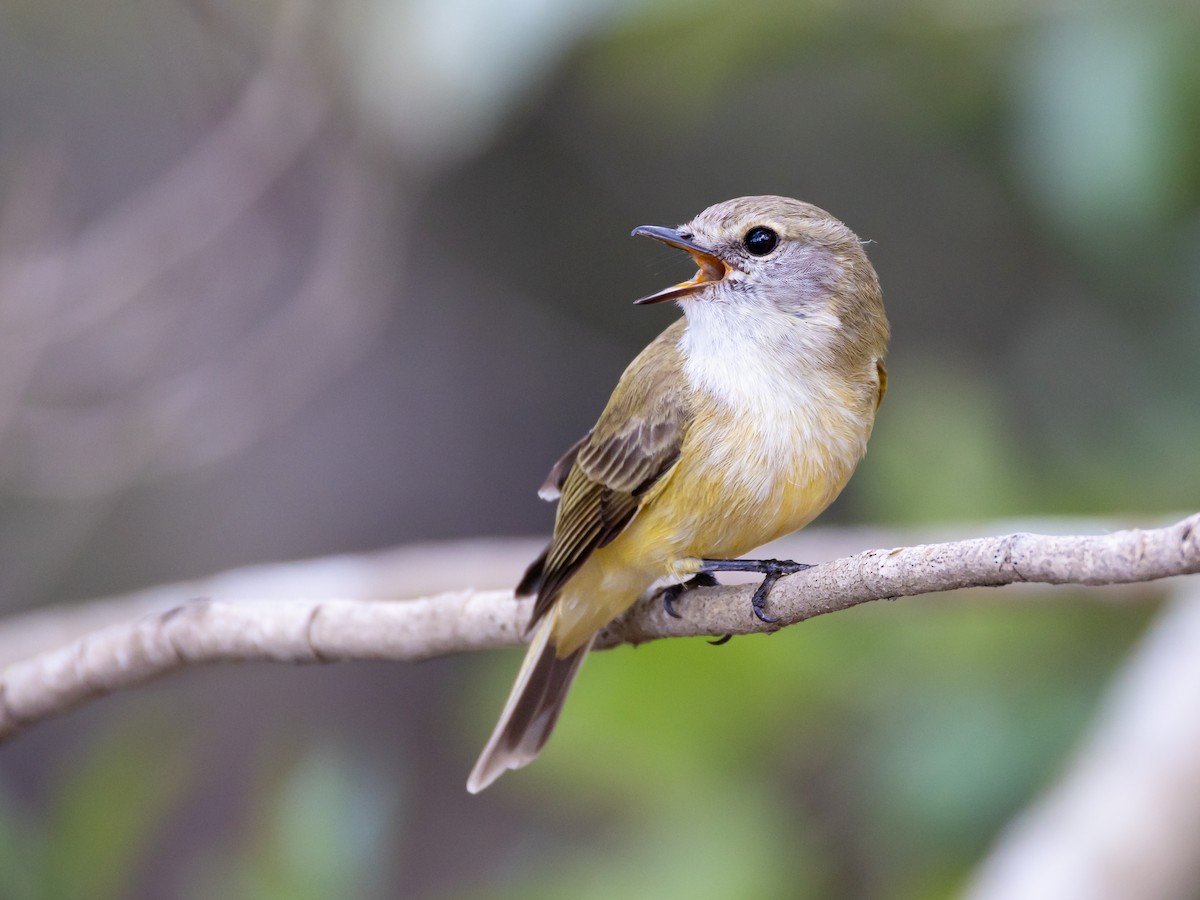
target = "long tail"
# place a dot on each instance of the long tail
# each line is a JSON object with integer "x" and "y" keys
{"x": 531, "y": 710}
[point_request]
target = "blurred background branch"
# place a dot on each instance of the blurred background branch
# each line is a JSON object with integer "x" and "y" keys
{"x": 184, "y": 322}
{"x": 1140, "y": 758}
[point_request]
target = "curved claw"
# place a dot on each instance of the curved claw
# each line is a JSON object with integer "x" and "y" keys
{"x": 669, "y": 596}
{"x": 759, "y": 600}
{"x": 722, "y": 641}
{"x": 773, "y": 570}
{"x": 675, "y": 591}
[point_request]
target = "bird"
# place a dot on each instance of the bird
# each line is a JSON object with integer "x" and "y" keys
{"x": 740, "y": 423}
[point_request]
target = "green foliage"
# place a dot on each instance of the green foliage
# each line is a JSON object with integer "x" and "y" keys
{"x": 1102, "y": 133}
{"x": 318, "y": 831}
{"x": 944, "y": 448}
{"x": 101, "y": 822}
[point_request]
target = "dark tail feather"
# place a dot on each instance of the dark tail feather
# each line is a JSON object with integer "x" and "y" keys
{"x": 532, "y": 709}
{"x": 531, "y": 581}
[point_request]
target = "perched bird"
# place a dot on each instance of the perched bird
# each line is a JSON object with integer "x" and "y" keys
{"x": 739, "y": 423}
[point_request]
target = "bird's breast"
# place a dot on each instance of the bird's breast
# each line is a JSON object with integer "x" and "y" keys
{"x": 751, "y": 472}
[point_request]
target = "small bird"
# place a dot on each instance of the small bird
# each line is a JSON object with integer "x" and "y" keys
{"x": 738, "y": 424}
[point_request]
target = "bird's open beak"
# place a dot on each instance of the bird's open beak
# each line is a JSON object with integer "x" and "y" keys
{"x": 712, "y": 267}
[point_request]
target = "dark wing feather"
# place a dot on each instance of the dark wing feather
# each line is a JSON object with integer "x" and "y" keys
{"x": 551, "y": 488}
{"x": 531, "y": 581}
{"x": 635, "y": 442}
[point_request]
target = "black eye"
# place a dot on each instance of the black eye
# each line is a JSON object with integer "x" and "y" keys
{"x": 760, "y": 240}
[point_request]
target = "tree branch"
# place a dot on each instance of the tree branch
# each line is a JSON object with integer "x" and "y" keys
{"x": 1123, "y": 557}
{"x": 326, "y": 630}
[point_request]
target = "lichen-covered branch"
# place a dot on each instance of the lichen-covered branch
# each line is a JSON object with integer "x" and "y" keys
{"x": 1122, "y": 557}
{"x": 213, "y": 630}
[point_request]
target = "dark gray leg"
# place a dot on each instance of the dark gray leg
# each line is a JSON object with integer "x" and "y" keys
{"x": 771, "y": 569}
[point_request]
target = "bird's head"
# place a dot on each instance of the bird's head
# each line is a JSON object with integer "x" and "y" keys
{"x": 773, "y": 255}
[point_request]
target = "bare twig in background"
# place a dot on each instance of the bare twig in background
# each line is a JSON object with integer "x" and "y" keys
{"x": 171, "y": 331}
{"x": 1124, "y": 822}
{"x": 324, "y": 630}
{"x": 189, "y": 320}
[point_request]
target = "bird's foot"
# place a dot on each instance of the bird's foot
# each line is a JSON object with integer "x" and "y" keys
{"x": 771, "y": 569}
{"x": 673, "y": 592}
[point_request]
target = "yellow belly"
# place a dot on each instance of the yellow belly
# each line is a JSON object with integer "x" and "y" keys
{"x": 734, "y": 488}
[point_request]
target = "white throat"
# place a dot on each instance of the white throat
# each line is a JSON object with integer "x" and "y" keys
{"x": 758, "y": 360}
{"x": 781, "y": 413}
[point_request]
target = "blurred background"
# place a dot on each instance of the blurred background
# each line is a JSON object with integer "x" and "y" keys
{"x": 286, "y": 280}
